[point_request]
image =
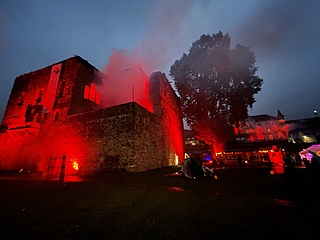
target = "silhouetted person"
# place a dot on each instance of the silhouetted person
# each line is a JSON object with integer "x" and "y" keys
{"x": 239, "y": 160}
{"x": 250, "y": 159}
{"x": 315, "y": 169}
{"x": 269, "y": 162}
{"x": 287, "y": 159}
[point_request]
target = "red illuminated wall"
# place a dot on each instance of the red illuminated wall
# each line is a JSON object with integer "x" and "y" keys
{"x": 167, "y": 105}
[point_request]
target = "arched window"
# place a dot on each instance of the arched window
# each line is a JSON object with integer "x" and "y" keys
{"x": 90, "y": 92}
{"x": 86, "y": 92}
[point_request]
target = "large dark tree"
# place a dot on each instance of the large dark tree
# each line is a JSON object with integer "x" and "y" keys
{"x": 216, "y": 85}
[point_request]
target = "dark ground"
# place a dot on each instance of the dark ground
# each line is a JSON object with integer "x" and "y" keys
{"x": 247, "y": 203}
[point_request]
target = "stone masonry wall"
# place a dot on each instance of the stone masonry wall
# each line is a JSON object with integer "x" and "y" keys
{"x": 121, "y": 138}
{"x": 25, "y": 91}
{"x": 166, "y": 104}
{"x": 148, "y": 138}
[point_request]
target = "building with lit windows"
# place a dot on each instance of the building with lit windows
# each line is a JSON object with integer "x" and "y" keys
{"x": 259, "y": 134}
{"x": 262, "y": 128}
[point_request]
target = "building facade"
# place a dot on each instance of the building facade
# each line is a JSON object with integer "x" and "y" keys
{"x": 262, "y": 128}
{"x": 54, "y": 113}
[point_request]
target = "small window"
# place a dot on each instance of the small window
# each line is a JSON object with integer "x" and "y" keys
{"x": 61, "y": 89}
{"x": 56, "y": 116}
{"x": 39, "y": 96}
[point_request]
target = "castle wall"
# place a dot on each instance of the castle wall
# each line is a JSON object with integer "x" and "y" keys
{"x": 167, "y": 106}
{"x": 25, "y": 91}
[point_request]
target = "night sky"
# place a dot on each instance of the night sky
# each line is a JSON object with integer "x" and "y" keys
{"x": 283, "y": 34}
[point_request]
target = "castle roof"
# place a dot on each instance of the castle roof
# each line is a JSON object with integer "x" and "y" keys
{"x": 262, "y": 118}
{"x": 80, "y": 59}
{"x": 306, "y": 125}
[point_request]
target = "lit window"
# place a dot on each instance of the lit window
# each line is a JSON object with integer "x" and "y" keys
{"x": 86, "y": 92}
{"x": 97, "y": 98}
{"x": 92, "y": 93}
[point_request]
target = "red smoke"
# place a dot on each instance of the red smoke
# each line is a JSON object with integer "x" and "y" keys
{"x": 125, "y": 81}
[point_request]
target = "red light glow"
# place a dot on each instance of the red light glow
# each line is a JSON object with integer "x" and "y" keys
{"x": 74, "y": 164}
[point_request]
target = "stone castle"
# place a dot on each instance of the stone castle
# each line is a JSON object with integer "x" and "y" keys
{"x": 56, "y": 113}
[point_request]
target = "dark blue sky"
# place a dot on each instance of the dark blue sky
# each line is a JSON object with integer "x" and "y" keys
{"x": 284, "y": 34}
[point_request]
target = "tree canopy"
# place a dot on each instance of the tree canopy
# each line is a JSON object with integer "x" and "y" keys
{"x": 216, "y": 85}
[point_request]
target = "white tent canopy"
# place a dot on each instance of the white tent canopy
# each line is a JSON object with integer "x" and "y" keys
{"x": 315, "y": 148}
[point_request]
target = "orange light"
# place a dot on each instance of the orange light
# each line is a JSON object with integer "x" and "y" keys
{"x": 75, "y": 165}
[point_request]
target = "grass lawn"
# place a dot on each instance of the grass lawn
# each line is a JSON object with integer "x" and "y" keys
{"x": 242, "y": 203}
